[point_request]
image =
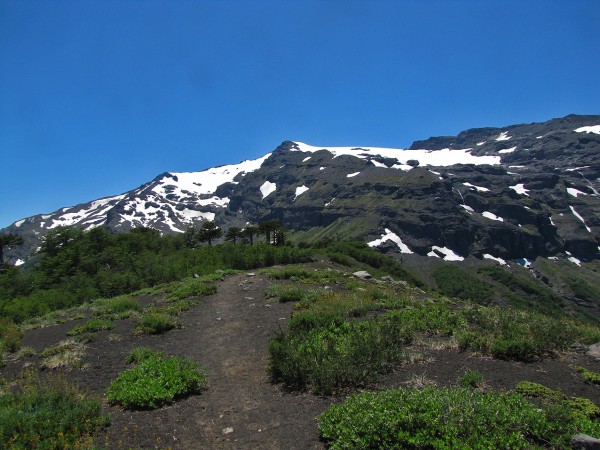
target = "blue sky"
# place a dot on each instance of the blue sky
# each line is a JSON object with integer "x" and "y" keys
{"x": 99, "y": 97}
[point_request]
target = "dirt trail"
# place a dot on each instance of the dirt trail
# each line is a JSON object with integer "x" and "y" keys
{"x": 228, "y": 336}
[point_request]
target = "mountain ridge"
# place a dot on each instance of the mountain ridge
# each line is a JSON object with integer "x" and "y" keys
{"x": 519, "y": 191}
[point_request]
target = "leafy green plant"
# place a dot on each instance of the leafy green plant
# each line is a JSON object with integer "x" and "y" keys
{"x": 448, "y": 418}
{"x": 588, "y": 376}
{"x": 91, "y": 325}
{"x": 471, "y": 379}
{"x": 578, "y": 406}
{"x": 155, "y": 381}
{"x": 455, "y": 282}
{"x": 155, "y": 323}
{"x": 48, "y": 412}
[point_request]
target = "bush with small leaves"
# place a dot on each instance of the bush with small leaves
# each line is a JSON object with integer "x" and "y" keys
{"x": 156, "y": 381}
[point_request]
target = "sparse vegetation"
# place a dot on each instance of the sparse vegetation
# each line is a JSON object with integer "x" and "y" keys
{"x": 90, "y": 326}
{"x": 155, "y": 381}
{"x": 68, "y": 354}
{"x": 155, "y": 323}
{"x": 588, "y": 376}
{"x": 48, "y": 412}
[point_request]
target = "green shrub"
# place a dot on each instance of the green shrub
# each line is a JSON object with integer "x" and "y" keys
{"x": 119, "y": 307}
{"x": 588, "y": 376}
{"x": 338, "y": 356}
{"x": 455, "y": 282}
{"x": 156, "y": 381}
{"x": 10, "y": 336}
{"x": 286, "y": 293}
{"x": 48, "y": 412}
{"x": 191, "y": 287}
{"x": 448, "y": 418}
{"x": 471, "y": 379}
{"x": 90, "y": 326}
{"x": 155, "y": 323}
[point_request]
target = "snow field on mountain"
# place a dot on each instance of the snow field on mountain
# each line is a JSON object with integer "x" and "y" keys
{"x": 267, "y": 188}
{"x": 300, "y": 190}
{"x": 520, "y": 189}
{"x": 390, "y": 236}
{"x": 449, "y": 254}
{"x": 576, "y": 214}
{"x": 591, "y": 129}
{"x": 492, "y": 216}
{"x": 439, "y": 158}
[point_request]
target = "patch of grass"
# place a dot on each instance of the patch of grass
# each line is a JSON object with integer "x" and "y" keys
{"x": 10, "y": 336}
{"x": 120, "y": 307}
{"x": 471, "y": 379}
{"x": 448, "y": 418}
{"x": 286, "y": 293}
{"x": 155, "y": 381}
{"x": 155, "y": 323}
{"x": 48, "y": 412}
{"x": 91, "y": 326}
{"x": 588, "y": 376}
{"x": 139, "y": 354}
{"x": 68, "y": 353}
{"x": 191, "y": 287}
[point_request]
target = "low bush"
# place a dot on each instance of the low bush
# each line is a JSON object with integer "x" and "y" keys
{"x": 331, "y": 358}
{"x": 156, "y": 381}
{"x": 155, "y": 323}
{"x": 119, "y": 307}
{"x": 471, "y": 379}
{"x": 286, "y": 293}
{"x": 91, "y": 326}
{"x": 578, "y": 406}
{"x": 48, "y": 412}
{"x": 10, "y": 336}
{"x": 455, "y": 282}
{"x": 448, "y": 418}
{"x": 588, "y": 376}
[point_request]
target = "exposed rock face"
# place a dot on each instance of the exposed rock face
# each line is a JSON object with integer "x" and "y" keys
{"x": 516, "y": 192}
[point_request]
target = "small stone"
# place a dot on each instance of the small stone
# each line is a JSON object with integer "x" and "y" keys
{"x": 583, "y": 441}
{"x": 363, "y": 275}
{"x": 196, "y": 275}
{"x": 594, "y": 350}
{"x": 227, "y": 430}
{"x": 250, "y": 274}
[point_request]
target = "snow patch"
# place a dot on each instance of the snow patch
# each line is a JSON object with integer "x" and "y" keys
{"x": 390, "y": 236}
{"x": 498, "y": 260}
{"x": 576, "y": 214}
{"x": 576, "y": 168}
{"x": 520, "y": 189}
{"x": 19, "y": 262}
{"x": 300, "y": 190}
{"x": 441, "y": 158}
{"x": 492, "y": 216}
{"x": 479, "y": 188}
{"x": 591, "y": 129}
{"x": 574, "y": 192}
{"x": 267, "y": 189}
{"x": 508, "y": 150}
{"x": 306, "y": 159}
{"x": 524, "y": 262}
{"x": 574, "y": 260}
{"x": 449, "y": 255}
{"x": 479, "y": 144}
{"x": 503, "y": 136}
{"x": 468, "y": 208}
{"x": 350, "y": 175}
{"x": 329, "y": 202}
{"x": 321, "y": 168}
{"x": 19, "y": 223}
{"x": 378, "y": 164}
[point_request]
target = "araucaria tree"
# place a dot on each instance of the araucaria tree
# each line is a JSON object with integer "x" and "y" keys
{"x": 249, "y": 232}
{"x": 209, "y": 231}
{"x": 233, "y": 234}
{"x": 8, "y": 240}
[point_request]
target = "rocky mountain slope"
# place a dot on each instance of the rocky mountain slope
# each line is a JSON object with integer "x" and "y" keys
{"x": 516, "y": 192}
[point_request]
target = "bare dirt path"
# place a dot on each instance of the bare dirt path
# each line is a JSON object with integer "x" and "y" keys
{"x": 228, "y": 336}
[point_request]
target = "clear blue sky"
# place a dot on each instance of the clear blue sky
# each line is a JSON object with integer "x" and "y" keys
{"x": 98, "y": 97}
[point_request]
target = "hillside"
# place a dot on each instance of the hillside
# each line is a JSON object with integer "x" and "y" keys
{"x": 230, "y": 334}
